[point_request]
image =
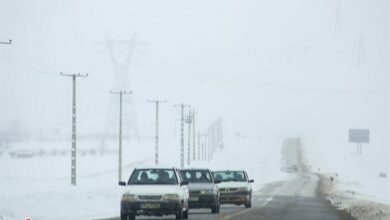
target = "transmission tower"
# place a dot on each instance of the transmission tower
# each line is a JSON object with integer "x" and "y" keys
{"x": 337, "y": 24}
{"x": 361, "y": 57}
{"x": 121, "y": 81}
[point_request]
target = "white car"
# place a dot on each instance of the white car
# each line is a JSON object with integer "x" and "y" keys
{"x": 155, "y": 191}
{"x": 235, "y": 187}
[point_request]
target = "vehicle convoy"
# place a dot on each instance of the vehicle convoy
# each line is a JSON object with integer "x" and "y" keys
{"x": 203, "y": 189}
{"x": 155, "y": 191}
{"x": 235, "y": 187}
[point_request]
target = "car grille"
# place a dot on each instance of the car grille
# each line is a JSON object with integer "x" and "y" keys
{"x": 195, "y": 193}
{"x": 228, "y": 190}
{"x": 150, "y": 197}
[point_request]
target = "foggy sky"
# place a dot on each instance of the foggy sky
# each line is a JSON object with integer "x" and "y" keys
{"x": 267, "y": 67}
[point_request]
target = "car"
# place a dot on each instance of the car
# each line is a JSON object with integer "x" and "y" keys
{"x": 235, "y": 187}
{"x": 291, "y": 169}
{"x": 203, "y": 189}
{"x": 154, "y": 192}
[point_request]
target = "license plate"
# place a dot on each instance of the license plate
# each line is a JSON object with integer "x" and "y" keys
{"x": 194, "y": 199}
{"x": 150, "y": 206}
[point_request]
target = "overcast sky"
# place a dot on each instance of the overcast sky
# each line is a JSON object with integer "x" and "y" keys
{"x": 266, "y": 67}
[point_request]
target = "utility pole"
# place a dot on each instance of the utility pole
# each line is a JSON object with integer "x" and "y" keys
{"x": 157, "y": 102}
{"x": 2, "y": 88}
{"x": 120, "y": 93}
{"x": 210, "y": 146}
{"x": 204, "y": 146}
{"x": 182, "y": 106}
{"x": 73, "y": 149}
{"x": 189, "y": 121}
{"x": 6, "y": 42}
{"x": 199, "y": 145}
{"x": 193, "y": 136}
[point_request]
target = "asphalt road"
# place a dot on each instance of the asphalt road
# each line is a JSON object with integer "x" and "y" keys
{"x": 293, "y": 199}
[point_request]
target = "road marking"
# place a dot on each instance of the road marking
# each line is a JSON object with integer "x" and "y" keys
{"x": 235, "y": 214}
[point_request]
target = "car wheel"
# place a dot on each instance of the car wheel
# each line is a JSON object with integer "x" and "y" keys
{"x": 123, "y": 216}
{"x": 214, "y": 209}
{"x": 179, "y": 215}
{"x": 131, "y": 216}
{"x": 249, "y": 203}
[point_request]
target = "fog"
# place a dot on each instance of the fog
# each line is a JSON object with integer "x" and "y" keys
{"x": 312, "y": 69}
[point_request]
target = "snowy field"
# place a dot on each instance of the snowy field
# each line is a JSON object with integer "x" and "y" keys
{"x": 355, "y": 175}
{"x": 360, "y": 183}
{"x": 39, "y": 187}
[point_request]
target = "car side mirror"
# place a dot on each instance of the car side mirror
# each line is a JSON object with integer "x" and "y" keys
{"x": 122, "y": 183}
{"x": 184, "y": 183}
{"x": 251, "y": 181}
{"x": 217, "y": 181}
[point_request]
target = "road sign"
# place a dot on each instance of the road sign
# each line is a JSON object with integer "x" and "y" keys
{"x": 359, "y": 135}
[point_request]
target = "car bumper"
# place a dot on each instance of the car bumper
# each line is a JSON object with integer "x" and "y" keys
{"x": 157, "y": 208}
{"x": 238, "y": 198}
{"x": 202, "y": 201}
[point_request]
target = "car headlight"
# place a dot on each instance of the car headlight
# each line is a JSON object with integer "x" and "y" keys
{"x": 207, "y": 192}
{"x": 171, "y": 197}
{"x": 243, "y": 189}
{"x": 129, "y": 197}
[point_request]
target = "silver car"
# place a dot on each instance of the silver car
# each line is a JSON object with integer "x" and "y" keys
{"x": 203, "y": 189}
{"x": 235, "y": 187}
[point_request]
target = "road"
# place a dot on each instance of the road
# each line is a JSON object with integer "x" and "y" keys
{"x": 293, "y": 199}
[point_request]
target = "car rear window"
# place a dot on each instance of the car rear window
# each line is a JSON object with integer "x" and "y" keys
{"x": 153, "y": 176}
{"x": 196, "y": 176}
{"x": 226, "y": 176}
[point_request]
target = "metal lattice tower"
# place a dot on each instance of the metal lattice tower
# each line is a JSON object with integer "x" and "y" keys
{"x": 361, "y": 57}
{"x": 121, "y": 81}
{"x": 337, "y": 24}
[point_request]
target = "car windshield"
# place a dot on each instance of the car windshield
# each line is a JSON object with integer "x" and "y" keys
{"x": 225, "y": 176}
{"x": 153, "y": 176}
{"x": 196, "y": 176}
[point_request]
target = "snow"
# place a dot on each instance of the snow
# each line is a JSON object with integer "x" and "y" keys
{"x": 39, "y": 187}
{"x": 357, "y": 174}
{"x": 357, "y": 185}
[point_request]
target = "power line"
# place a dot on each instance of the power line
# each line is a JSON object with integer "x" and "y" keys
{"x": 33, "y": 58}
{"x": 26, "y": 67}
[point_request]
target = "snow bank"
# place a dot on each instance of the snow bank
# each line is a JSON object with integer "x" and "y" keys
{"x": 352, "y": 201}
{"x": 354, "y": 173}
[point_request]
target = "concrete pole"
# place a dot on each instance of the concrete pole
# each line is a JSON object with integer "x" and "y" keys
{"x": 189, "y": 139}
{"x": 193, "y": 136}
{"x": 156, "y": 152}
{"x": 73, "y": 159}
{"x": 120, "y": 138}
{"x": 120, "y": 93}
{"x": 74, "y": 137}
